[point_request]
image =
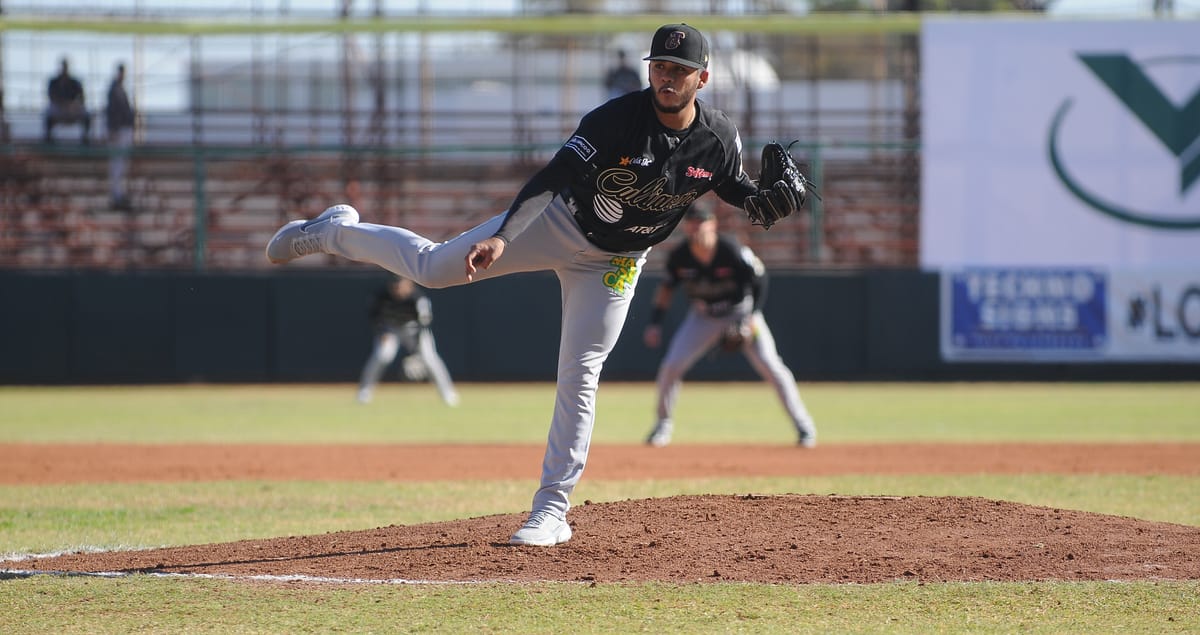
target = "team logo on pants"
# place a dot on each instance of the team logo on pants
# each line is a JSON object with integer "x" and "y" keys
{"x": 623, "y": 278}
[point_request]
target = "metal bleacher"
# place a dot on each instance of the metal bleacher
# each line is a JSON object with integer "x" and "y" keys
{"x": 205, "y": 206}
{"x": 435, "y": 134}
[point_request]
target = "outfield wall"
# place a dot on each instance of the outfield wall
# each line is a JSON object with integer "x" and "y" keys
{"x": 86, "y": 328}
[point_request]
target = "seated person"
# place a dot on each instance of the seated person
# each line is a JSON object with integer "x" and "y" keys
{"x": 66, "y": 104}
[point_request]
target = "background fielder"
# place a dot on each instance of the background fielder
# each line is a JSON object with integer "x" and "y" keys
{"x": 725, "y": 284}
{"x": 401, "y": 316}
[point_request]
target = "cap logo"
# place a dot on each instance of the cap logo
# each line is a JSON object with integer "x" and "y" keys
{"x": 674, "y": 40}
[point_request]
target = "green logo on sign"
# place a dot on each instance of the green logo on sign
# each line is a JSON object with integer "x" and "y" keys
{"x": 1178, "y": 129}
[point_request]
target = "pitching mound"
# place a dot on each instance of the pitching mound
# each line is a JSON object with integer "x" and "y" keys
{"x": 774, "y": 539}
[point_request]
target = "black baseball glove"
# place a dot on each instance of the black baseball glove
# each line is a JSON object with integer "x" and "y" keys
{"x": 782, "y": 187}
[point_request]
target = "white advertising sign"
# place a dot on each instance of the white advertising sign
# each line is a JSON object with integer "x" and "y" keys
{"x": 1049, "y": 144}
{"x": 1154, "y": 316}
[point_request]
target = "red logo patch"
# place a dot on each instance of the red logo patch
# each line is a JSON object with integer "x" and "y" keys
{"x": 698, "y": 173}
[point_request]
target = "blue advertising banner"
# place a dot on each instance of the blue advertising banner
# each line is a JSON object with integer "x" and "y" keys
{"x": 1025, "y": 314}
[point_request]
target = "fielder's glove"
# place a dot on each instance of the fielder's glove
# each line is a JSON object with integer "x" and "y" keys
{"x": 414, "y": 368}
{"x": 734, "y": 338}
{"x": 782, "y": 187}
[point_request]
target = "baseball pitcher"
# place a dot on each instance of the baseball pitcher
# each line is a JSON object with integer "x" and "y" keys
{"x": 618, "y": 185}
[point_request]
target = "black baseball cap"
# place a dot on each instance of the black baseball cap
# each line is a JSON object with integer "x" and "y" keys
{"x": 681, "y": 44}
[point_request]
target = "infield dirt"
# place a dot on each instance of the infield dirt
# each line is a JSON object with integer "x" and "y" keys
{"x": 712, "y": 538}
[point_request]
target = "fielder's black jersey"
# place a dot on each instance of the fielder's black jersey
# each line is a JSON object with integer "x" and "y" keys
{"x": 387, "y": 310}
{"x": 733, "y": 275}
{"x": 629, "y": 179}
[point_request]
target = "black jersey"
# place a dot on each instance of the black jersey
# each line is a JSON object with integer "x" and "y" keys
{"x": 629, "y": 179}
{"x": 389, "y": 311}
{"x": 733, "y": 275}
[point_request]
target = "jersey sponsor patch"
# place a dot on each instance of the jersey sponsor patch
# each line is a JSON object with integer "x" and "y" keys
{"x": 607, "y": 209}
{"x": 642, "y": 161}
{"x": 582, "y": 147}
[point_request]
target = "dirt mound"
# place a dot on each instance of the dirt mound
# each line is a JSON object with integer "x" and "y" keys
{"x": 714, "y": 538}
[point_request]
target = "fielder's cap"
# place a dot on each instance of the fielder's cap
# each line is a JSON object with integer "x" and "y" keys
{"x": 681, "y": 44}
{"x": 699, "y": 212}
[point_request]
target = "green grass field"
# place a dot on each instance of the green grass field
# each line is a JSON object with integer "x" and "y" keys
{"x": 42, "y": 519}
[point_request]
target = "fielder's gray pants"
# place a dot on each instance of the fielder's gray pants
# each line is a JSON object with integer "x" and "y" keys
{"x": 597, "y": 288}
{"x": 415, "y": 340}
{"x": 698, "y": 333}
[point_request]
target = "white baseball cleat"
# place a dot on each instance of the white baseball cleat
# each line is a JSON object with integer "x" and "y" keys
{"x": 807, "y": 436}
{"x": 301, "y": 238}
{"x": 660, "y": 436}
{"x": 543, "y": 529}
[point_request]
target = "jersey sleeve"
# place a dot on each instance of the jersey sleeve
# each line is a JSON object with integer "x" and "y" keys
{"x": 737, "y": 185}
{"x": 673, "y": 266}
{"x": 533, "y": 198}
{"x": 375, "y": 311}
{"x": 573, "y": 161}
{"x": 424, "y": 311}
{"x": 756, "y": 274}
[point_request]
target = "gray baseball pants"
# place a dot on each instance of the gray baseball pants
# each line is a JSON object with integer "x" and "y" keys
{"x": 415, "y": 340}
{"x": 597, "y": 288}
{"x": 698, "y": 333}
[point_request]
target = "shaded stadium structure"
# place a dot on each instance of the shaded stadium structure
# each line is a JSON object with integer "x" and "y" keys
{"x": 431, "y": 130}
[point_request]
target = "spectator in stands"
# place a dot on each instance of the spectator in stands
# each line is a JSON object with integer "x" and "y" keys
{"x": 119, "y": 119}
{"x": 5, "y": 132}
{"x": 66, "y": 104}
{"x": 622, "y": 78}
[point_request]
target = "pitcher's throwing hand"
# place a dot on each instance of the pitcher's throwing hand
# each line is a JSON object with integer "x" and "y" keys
{"x": 483, "y": 254}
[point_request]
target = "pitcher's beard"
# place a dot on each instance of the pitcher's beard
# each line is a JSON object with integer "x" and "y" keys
{"x": 669, "y": 110}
